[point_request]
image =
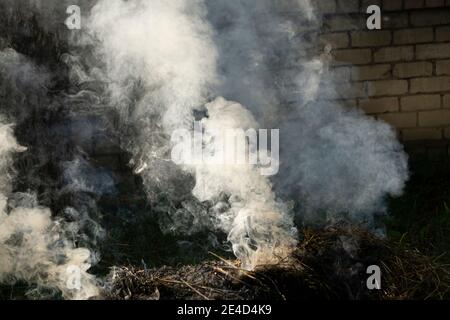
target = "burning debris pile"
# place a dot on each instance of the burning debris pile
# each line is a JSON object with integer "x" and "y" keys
{"x": 327, "y": 264}
{"x": 136, "y": 74}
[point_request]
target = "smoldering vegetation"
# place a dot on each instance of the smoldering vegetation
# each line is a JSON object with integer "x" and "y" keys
{"x": 96, "y": 108}
{"x": 322, "y": 267}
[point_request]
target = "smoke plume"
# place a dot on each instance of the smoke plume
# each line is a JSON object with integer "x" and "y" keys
{"x": 166, "y": 61}
{"x": 160, "y": 66}
{"x": 36, "y": 246}
{"x": 33, "y": 246}
{"x": 336, "y": 163}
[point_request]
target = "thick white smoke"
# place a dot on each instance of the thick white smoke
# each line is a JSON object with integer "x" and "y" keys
{"x": 165, "y": 60}
{"x": 165, "y": 45}
{"x": 336, "y": 163}
{"x": 168, "y": 48}
{"x": 36, "y": 247}
{"x": 32, "y": 245}
{"x": 159, "y": 62}
{"x": 259, "y": 227}
{"x": 165, "y": 64}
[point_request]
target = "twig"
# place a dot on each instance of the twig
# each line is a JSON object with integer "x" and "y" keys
{"x": 195, "y": 290}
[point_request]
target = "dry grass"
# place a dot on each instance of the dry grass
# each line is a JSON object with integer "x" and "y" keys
{"x": 328, "y": 264}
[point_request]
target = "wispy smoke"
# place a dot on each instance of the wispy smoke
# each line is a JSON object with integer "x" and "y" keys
{"x": 160, "y": 62}
{"x": 166, "y": 51}
{"x": 161, "y": 65}
{"x": 37, "y": 246}
{"x": 259, "y": 227}
{"x": 336, "y": 163}
{"x": 33, "y": 246}
{"x": 165, "y": 61}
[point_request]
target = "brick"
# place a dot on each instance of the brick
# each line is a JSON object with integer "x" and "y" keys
{"x": 389, "y": 54}
{"x": 430, "y": 17}
{"x": 433, "y": 84}
{"x": 392, "y": 5}
{"x": 414, "y": 4}
{"x": 379, "y": 105}
{"x": 373, "y": 72}
{"x": 447, "y": 101}
{"x": 352, "y": 90}
{"x": 387, "y": 87}
{"x": 340, "y": 74}
{"x": 443, "y": 33}
{"x": 413, "y": 69}
{"x": 366, "y": 3}
{"x": 352, "y": 56}
{"x": 395, "y": 20}
{"x": 443, "y": 67}
{"x": 371, "y": 38}
{"x": 337, "y": 40}
{"x": 434, "y": 3}
{"x": 436, "y": 118}
{"x": 417, "y": 35}
{"x": 400, "y": 120}
{"x": 433, "y": 51}
{"x": 420, "y": 102}
{"x": 347, "y": 6}
{"x": 347, "y": 91}
{"x": 343, "y": 23}
{"x": 325, "y": 6}
{"x": 421, "y": 134}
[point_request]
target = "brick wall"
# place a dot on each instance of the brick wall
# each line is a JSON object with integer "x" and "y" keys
{"x": 401, "y": 73}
